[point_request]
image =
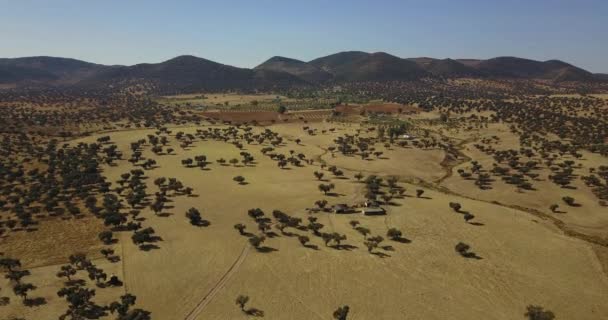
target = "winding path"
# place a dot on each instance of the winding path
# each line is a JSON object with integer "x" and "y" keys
{"x": 192, "y": 315}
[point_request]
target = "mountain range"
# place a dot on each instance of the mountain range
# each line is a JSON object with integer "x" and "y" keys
{"x": 189, "y": 73}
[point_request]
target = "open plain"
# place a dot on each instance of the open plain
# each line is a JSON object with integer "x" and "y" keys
{"x": 280, "y": 218}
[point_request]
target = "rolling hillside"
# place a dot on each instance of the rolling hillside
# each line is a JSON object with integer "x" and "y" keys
{"x": 190, "y": 73}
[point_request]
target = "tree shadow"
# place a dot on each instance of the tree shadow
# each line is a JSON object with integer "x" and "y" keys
{"x": 380, "y": 254}
{"x": 272, "y": 234}
{"x": 266, "y": 249}
{"x": 311, "y": 246}
{"x": 334, "y": 194}
{"x": 254, "y": 312}
{"x": 476, "y": 224}
{"x": 402, "y": 240}
{"x": 347, "y": 247}
{"x": 75, "y": 282}
{"x": 471, "y": 255}
{"x": 202, "y": 223}
{"x": 34, "y": 302}
{"x": 148, "y": 247}
{"x": 388, "y": 248}
{"x": 568, "y": 187}
{"x": 101, "y": 285}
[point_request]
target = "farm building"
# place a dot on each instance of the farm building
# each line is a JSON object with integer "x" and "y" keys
{"x": 342, "y": 208}
{"x": 373, "y": 211}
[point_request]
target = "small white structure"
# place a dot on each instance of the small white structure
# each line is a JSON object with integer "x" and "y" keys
{"x": 407, "y": 136}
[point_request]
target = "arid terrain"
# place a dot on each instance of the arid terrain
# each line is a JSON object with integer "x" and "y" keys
{"x": 222, "y": 205}
{"x": 304, "y": 160}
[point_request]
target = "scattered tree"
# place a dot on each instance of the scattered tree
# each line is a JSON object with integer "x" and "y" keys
{"x": 394, "y": 234}
{"x": 419, "y": 193}
{"x": 239, "y": 179}
{"x": 256, "y": 241}
{"x": 325, "y": 188}
{"x": 341, "y": 313}
{"x": 538, "y": 313}
{"x": 240, "y": 227}
{"x": 241, "y": 301}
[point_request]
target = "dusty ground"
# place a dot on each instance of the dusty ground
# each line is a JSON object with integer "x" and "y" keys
{"x": 525, "y": 259}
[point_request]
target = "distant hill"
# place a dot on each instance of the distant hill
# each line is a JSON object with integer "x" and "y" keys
{"x": 338, "y": 60}
{"x": 10, "y": 74}
{"x": 361, "y": 66}
{"x": 470, "y": 62}
{"x": 512, "y": 67}
{"x": 47, "y": 69}
{"x": 184, "y": 71}
{"x": 300, "y": 69}
{"x": 447, "y": 68}
{"x": 189, "y": 73}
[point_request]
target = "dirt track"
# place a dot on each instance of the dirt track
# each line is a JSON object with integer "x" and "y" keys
{"x": 220, "y": 284}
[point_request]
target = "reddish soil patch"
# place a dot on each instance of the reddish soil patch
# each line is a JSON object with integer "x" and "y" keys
{"x": 345, "y": 109}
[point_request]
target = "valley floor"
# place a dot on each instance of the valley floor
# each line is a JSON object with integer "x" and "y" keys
{"x": 197, "y": 272}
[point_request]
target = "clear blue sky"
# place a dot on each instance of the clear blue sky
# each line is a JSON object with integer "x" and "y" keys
{"x": 245, "y": 33}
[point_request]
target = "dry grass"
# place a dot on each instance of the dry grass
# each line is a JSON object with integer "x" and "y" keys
{"x": 526, "y": 260}
{"x": 53, "y": 241}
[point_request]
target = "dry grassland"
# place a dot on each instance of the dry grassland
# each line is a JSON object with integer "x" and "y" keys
{"x": 525, "y": 260}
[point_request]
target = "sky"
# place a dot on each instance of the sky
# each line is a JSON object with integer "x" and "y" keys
{"x": 247, "y": 32}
